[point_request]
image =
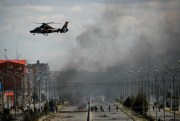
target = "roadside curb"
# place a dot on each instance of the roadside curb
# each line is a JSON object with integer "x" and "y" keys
{"x": 49, "y": 115}
{"x": 130, "y": 113}
{"x": 170, "y": 111}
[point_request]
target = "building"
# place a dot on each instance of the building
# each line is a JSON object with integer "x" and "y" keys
{"x": 37, "y": 73}
{"x": 13, "y": 82}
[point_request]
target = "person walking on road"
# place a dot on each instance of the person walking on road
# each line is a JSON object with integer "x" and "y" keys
{"x": 159, "y": 108}
{"x": 96, "y": 108}
{"x": 153, "y": 107}
{"x": 56, "y": 109}
{"x": 101, "y": 108}
{"x": 109, "y": 108}
{"x": 117, "y": 108}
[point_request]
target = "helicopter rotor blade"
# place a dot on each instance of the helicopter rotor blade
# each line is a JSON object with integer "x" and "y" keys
{"x": 47, "y": 23}
{"x": 52, "y": 23}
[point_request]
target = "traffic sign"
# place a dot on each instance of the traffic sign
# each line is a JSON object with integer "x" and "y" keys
{"x": 0, "y": 86}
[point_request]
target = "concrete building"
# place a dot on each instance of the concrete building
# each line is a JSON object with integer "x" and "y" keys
{"x": 36, "y": 76}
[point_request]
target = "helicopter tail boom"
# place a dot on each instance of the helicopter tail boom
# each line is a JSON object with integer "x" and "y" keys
{"x": 64, "y": 28}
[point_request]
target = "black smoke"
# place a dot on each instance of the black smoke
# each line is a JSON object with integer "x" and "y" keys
{"x": 126, "y": 35}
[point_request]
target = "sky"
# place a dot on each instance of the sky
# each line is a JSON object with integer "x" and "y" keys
{"x": 16, "y": 22}
{"x": 102, "y": 33}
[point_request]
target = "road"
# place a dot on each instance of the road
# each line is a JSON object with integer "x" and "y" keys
{"x": 160, "y": 114}
{"x": 73, "y": 113}
{"x": 107, "y": 115}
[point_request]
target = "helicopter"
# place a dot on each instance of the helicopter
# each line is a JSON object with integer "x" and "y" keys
{"x": 46, "y": 29}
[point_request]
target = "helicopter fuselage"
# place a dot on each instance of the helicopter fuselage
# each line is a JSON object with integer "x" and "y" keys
{"x": 46, "y": 29}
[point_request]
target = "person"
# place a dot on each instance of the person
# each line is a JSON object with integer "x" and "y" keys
{"x": 109, "y": 108}
{"x": 92, "y": 108}
{"x": 35, "y": 109}
{"x": 116, "y": 108}
{"x": 96, "y": 108}
{"x": 41, "y": 109}
{"x": 56, "y": 109}
{"x": 22, "y": 109}
{"x": 101, "y": 108}
{"x": 153, "y": 107}
{"x": 159, "y": 108}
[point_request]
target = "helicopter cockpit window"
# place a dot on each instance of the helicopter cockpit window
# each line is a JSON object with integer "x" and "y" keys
{"x": 37, "y": 29}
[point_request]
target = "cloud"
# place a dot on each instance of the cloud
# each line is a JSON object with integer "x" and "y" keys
{"x": 76, "y": 8}
{"x": 37, "y": 8}
{"x": 25, "y": 9}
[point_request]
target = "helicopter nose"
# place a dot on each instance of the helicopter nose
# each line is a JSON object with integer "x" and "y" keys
{"x": 31, "y": 31}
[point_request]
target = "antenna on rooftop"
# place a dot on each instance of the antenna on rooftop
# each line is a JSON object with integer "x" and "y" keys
{"x": 5, "y": 54}
{"x": 17, "y": 55}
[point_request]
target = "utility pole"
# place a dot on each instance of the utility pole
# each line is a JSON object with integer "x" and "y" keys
{"x": 14, "y": 82}
{"x": 164, "y": 88}
{"x": 156, "y": 94}
{"x": 88, "y": 116}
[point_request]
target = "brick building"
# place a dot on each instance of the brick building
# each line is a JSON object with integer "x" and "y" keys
{"x": 13, "y": 80}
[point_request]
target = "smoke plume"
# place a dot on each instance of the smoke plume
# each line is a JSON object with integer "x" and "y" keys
{"x": 127, "y": 34}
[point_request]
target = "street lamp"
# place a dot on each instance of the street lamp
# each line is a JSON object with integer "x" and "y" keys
{"x": 22, "y": 90}
{"x": 156, "y": 75}
{"x": 164, "y": 72}
{"x": 176, "y": 71}
{"x": 40, "y": 74}
{"x": 10, "y": 67}
{"x": 164, "y": 100}
{"x": 125, "y": 85}
{"x": 178, "y": 62}
{"x": 143, "y": 74}
{"x": 14, "y": 90}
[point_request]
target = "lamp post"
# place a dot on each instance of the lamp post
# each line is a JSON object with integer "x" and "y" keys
{"x": 164, "y": 91}
{"x": 19, "y": 75}
{"x": 39, "y": 91}
{"x": 29, "y": 75}
{"x": 135, "y": 76}
{"x": 178, "y": 62}
{"x": 123, "y": 84}
{"x": 2, "y": 97}
{"x": 36, "y": 75}
{"x": 14, "y": 90}
{"x": 139, "y": 83}
{"x": 174, "y": 74}
{"x": 22, "y": 90}
{"x": 131, "y": 86}
{"x": 164, "y": 72}
{"x": 123, "y": 87}
{"x": 88, "y": 116}
{"x": 146, "y": 91}
{"x": 156, "y": 75}
{"x": 49, "y": 89}
{"x": 176, "y": 71}
{"x": 143, "y": 74}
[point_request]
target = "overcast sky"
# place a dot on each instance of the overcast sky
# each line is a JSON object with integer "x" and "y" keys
{"x": 17, "y": 17}
{"x": 15, "y": 24}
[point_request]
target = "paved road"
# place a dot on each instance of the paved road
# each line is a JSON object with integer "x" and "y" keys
{"x": 160, "y": 114}
{"x": 107, "y": 115}
{"x": 75, "y": 116}
{"x": 71, "y": 113}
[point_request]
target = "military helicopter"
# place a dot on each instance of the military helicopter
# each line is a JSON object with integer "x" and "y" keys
{"x": 46, "y": 29}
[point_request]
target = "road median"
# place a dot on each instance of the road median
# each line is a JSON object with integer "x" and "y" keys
{"x": 134, "y": 116}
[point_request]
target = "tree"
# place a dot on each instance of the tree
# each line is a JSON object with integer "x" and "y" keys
{"x": 140, "y": 103}
{"x": 43, "y": 97}
{"x": 128, "y": 102}
{"x": 35, "y": 97}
